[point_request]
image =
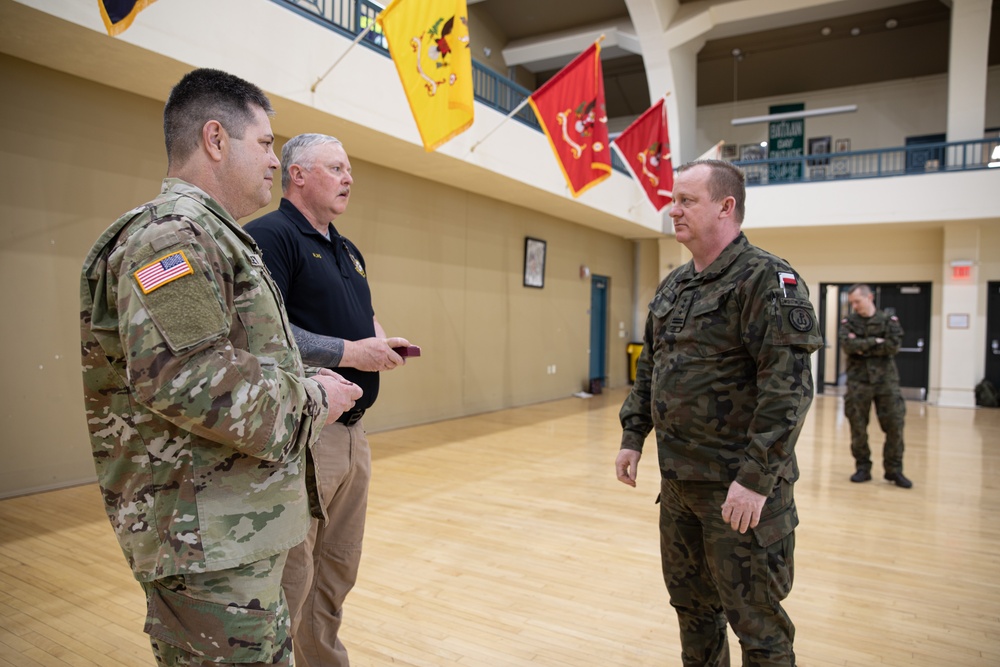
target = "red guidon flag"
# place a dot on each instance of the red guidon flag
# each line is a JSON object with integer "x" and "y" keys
{"x": 570, "y": 107}
{"x": 644, "y": 147}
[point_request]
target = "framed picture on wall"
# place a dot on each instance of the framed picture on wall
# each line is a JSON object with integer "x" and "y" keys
{"x": 819, "y": 146}
{"x": 534, "y": 262}
{"x": 730, "y": 151}
{"x": 752, "y": 152}
{"x": 843, "y": 146}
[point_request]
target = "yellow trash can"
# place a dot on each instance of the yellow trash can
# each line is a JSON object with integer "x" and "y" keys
{"x": 634, "y": 350}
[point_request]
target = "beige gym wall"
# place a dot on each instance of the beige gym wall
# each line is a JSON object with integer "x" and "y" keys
{"x": 445, "y": 266}
{"x": 888, "y": 253}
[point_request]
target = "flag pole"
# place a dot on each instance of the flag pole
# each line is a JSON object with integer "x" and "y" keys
{"x": 516, "y": 109}
{"x": 361, "y": 35}
{"x": 508, "y": 117}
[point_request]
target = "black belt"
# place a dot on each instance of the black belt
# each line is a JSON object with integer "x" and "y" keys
{"x": 351, "y": 417}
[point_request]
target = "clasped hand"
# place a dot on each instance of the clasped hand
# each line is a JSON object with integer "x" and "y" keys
{"x": 341, "y": 395}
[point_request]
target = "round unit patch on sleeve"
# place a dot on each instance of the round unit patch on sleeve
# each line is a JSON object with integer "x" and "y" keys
{"x": 162, "y": 271}
{"x": 800, "y": 319}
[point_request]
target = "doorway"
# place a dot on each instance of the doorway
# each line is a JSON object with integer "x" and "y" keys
{"x": 911, "y": 303}
{"x": 993, "y": 332}
{"x": 598, "y": 330}
{"x": 924, "y": 159}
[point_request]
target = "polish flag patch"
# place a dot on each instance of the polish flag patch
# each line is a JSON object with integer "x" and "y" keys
{"x": 787, "y": 279}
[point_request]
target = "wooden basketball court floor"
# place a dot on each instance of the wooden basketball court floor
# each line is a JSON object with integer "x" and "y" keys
{"x": 504, "y": 539}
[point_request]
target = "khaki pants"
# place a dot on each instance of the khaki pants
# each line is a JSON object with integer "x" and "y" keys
{"x": 322, "y": 570}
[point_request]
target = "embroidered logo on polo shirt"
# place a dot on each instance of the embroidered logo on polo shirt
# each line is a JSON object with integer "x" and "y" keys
{"x": 357, "y": 265}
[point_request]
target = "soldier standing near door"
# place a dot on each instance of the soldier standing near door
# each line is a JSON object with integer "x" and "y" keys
{"x": 871, "y": 338}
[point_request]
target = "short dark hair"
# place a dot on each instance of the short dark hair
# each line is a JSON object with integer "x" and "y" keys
{"x": 860, "y": 287}
{"x": 725, "y": 180}
{"x": 204, "y": 95}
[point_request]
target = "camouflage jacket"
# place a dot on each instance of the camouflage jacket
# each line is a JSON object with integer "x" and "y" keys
{"x": 867, "y": 360}
{"x": 196, "y": 403}
{"x": 724, "y": 375}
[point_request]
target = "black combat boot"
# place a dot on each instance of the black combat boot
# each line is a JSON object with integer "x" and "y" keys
{"x": 861, "y": 476}
{"x": 898, "y": 479}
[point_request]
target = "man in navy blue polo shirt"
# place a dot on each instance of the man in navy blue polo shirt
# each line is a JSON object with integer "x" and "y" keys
{"x": 322, "y": 278}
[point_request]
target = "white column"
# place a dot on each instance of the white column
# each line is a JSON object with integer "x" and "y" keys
{"x": 651, "y": 18}
{"x": 683, "y": 77}
{"x": 959, "y": 347}
{"x": 967, "y": 65}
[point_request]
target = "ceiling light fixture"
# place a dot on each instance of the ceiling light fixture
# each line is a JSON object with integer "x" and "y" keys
{"x": 826, "y": 31}
{"x": 891, "y": 23}
{"x": 789, "y": 115}
{"x": 855, "y": 32}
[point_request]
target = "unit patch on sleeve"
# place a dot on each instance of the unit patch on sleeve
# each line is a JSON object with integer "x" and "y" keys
{"x": 800, "y": 319}
{"x": 162, "y": 271}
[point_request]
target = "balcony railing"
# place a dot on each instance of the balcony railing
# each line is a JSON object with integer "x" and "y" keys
{"x": 350, "y": 17}
{"x": 875, "y": 163}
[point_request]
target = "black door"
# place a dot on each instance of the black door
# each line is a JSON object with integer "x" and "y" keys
{"x": 993, "y": 332}
{"x": 911, "y": 303}
{"x": 919, "y": 158}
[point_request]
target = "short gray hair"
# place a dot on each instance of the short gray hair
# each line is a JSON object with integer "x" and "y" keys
{"x": 298, "y": 151}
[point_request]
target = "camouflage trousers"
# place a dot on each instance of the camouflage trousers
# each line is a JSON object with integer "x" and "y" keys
{"x": 236, "y": 616}
{"x": 890, "y": 408}
{"x": 716, "y": 575}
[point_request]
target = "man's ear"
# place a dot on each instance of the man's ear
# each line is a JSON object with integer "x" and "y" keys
{"x": 296, "y": 174}
{"x": 214, "y": 137}
{"x": 729, "y": 206}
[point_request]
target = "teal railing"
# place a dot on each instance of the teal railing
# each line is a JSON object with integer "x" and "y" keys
{"x": 874, "y": 163}
{"x": 350, "y": 17}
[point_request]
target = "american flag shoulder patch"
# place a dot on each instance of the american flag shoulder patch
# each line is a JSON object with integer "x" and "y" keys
{"x": 162, "y": 271}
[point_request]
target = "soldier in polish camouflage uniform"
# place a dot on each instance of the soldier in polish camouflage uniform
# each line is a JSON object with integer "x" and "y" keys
{"x": 724, "y": 378}
{"x": 197, "y": 405}
{"x": 871, "y": 338}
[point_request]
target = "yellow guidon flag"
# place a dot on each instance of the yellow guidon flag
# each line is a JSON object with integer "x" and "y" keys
{"x": 429, "y": 43}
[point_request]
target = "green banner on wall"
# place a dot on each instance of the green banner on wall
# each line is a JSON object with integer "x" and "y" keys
{"x": 786, "y": 138}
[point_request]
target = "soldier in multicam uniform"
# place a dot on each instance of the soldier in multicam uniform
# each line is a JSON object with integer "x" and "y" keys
{"x": 724, "y": 377}
{"x": 197, "y": 404}
{"x": 871, "y": 339}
